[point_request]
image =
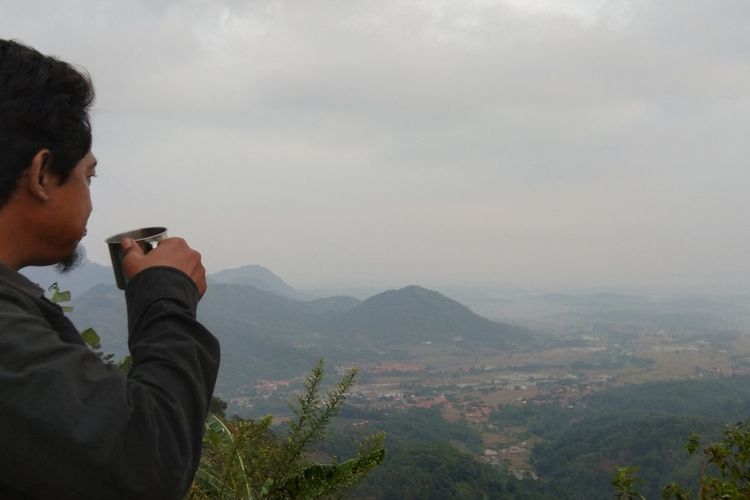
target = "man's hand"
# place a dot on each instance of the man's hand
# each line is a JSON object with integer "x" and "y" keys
{"x": 171, "y": 252}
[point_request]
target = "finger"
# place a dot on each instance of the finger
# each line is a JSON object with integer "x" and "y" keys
{"x": 130, "y": 248}
{"x": 201, "y": 284}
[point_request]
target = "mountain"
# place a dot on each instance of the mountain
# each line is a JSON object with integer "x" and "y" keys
{"x": 102, "y": 307}
{"x": 339, "y": 303}
{"x": 257, "y": 276}
{"x": 414, "y": 314}
{"x": 82, "y": 278}
{"x": 264, "y": 335}
{"x": 90, "y": 274}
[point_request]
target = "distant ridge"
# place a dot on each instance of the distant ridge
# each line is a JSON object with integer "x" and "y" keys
{"x": 265, "y": 335}
{"x": 102, "y": 307}
{"x": 258, "y": 277}
{"x": 414, "y": 314}
{"x": 86, "y": 276}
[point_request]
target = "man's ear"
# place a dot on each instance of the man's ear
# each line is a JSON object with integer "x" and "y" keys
{"x": 38, "y": 175}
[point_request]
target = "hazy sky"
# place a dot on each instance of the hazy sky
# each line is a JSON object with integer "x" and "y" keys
{"x": 526, "y": 142}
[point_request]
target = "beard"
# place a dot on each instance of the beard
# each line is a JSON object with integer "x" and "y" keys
{"x": 72, "y": 261}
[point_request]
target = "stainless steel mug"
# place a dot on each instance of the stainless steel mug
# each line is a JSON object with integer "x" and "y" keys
{"x": 146, "y": 237}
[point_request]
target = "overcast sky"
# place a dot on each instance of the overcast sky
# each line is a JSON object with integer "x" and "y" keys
{"x": 556, "y": 144}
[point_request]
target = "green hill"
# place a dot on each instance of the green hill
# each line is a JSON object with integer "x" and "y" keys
{"x": 644, "y": 425}
{"x": 264, "y": 335}
{"x": 257, "y": 276}
{"x": 414, "y": 314}
{"x": 86, "y": 276}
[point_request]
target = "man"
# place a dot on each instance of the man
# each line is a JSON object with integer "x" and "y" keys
{"x": 70, "y": 425}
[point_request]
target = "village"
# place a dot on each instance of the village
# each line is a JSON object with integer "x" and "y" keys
{"x": 472, "y": 389}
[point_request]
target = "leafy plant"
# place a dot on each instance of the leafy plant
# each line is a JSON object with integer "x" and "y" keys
{"x": 725, "y": 469}
{"x": 244, "y": 459}
{"x": 59, "y": 296}
{"x": 89, "y": 335}
{"x": 625, "y": 483}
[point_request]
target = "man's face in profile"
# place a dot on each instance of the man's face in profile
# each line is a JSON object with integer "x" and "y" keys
{"x": 71, "y": 210}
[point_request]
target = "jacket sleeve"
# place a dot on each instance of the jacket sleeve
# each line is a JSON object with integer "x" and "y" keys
{"x": 74, "y": 427}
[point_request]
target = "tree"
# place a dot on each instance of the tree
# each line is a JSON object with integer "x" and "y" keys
{"x": 245, "y": 459}
{"x": 625, "y": 483}
{"x": 725, "y": 469}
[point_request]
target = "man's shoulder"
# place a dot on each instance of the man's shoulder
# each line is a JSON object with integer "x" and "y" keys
{"x": 16, "y": 291}
{"x": 21, "y": 312}
{"x": 16, "y": 283}
{"x": 12, "y": 299}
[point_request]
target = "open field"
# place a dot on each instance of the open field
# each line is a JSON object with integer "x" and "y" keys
{"x": 474, "y": 385}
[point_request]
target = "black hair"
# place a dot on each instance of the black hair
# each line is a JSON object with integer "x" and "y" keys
{"x": 44, "y": 103}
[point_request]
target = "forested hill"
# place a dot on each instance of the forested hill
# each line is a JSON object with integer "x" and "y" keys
{"x": 266, "y": 336}
{"x": 90, "y": 274}
{"x": 418, "y": 314}
{"x": 83, "y": 278}
{"x": 577, "y": 448}
{"x": 257, "y": 276}
{"x": 644, "y": 425}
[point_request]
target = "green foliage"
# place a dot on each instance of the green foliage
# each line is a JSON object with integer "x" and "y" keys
{"x": 246, "y": 459}
{"x": 217, "y": 406}
{"x": 725, "y": 467}
{"x": 89, "y": 335}
{"x": 91, "y": 338}
{"x": 222, "y": 473}
{"x": 440, "y": 471}
{"x": 319, "y": 480}
{"x": 427, "y": 458}
{"x": 625, "y": 483}
{"x": 404, "y": 428}
{"x": 727, "y": 399}
{"x": 545, "y": 420}
{"x": 59, "y": 296}
{"x": 643, "y": 425}
{"x": 582, "y": 460}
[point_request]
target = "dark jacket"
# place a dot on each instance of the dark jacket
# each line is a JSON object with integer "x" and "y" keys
{"x": 74, "y": 427}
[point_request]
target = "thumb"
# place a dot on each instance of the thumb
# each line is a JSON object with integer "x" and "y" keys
{"x": 131, "y": 248}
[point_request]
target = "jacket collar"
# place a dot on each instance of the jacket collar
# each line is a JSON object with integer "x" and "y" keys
{"x": 19, "y": 281}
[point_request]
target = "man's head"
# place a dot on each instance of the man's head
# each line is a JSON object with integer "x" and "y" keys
{"x": 44, "y": 104}
{"x": 45, "y": 158}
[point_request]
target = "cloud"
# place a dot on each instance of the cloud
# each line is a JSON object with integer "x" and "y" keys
{"x": 589, "y": 143}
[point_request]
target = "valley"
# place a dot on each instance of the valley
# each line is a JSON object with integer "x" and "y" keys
{"x": 470, "y": 387}
{"x": 511, "y": 393}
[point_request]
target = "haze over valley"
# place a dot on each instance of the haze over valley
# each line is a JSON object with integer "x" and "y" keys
{"x": 420, "y": 350}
